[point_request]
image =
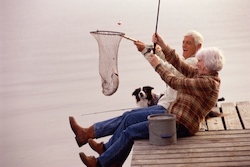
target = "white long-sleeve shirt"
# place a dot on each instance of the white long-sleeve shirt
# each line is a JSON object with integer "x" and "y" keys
{"x": 170, "y": 94}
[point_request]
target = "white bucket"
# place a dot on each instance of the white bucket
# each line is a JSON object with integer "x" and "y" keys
{"x": 162, "y": 129}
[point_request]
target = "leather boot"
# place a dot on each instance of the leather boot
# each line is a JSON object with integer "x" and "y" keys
{"x": 98, "y": 147}
{"x": 82, "y": 134}
{"x": 89, "y": 161}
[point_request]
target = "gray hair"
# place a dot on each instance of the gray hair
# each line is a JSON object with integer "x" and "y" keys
{"x": 198, "y": 38}
{"x": 212, "y": 57}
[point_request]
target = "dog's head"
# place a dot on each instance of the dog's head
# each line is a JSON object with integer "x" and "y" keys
{"x": 143, "y": 96}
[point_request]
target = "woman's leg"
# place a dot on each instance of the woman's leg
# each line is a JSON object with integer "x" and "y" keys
{"x": 121, "y": 148}
{"x": 110, "y": 126}
{"x": 182, "y": 131}
{"x": 134, "y": 117}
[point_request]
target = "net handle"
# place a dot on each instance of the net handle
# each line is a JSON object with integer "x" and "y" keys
{"x": 131, "y": 39}
{"x": 113, "y": 33}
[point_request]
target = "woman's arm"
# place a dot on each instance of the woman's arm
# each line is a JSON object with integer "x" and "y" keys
{"x": 193, "y": 86}
{"x": 173, "y": 58}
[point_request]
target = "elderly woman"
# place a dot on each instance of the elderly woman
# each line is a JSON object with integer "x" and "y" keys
{"x": 197, "y": 93}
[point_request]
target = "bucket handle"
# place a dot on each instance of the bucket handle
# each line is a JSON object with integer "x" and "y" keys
{"x": 166, "y": 136}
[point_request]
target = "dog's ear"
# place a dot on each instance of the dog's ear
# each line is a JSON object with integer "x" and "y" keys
{"x": 136, "y": 92}
{"x": 149, "y": 87}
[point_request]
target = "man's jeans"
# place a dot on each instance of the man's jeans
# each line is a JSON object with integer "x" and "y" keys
{"x": 125, "y": 129}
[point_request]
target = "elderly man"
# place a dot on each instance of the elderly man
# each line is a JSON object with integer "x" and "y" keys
{"x": 192, "y": 42}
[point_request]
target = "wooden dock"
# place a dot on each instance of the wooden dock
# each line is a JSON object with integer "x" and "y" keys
{"x": 226, "y": 142}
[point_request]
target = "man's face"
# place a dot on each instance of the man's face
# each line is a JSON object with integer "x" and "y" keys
{"x": 188, "y": 47}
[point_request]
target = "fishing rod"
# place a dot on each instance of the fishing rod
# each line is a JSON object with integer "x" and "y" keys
{"x": 157, "y": 23}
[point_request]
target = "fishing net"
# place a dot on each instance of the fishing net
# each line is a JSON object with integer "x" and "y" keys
{"x": 108, "y": 43}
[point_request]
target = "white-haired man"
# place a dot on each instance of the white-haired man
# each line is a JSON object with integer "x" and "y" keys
{"x": 191, "y": 43}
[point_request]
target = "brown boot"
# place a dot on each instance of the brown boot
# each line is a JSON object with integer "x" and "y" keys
{"x": 98, "y": 147}
{"x": 90, "y": 161}
{"x": 82, "y": 134}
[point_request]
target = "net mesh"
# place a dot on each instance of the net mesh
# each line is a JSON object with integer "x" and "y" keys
{"x": 108, "y": 43}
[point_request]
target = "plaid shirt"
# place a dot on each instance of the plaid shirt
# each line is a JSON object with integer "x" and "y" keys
{"x": 197, "y": 93}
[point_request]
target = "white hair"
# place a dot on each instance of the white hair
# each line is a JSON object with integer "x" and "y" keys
{"x": 212, "y": 57}
{"x": 198, "y": 38}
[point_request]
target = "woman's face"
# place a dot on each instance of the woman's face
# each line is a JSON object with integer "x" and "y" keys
{"x": 201, "y": 67}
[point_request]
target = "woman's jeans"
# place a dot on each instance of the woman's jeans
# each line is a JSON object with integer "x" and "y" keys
{"x": 130, "y": 126}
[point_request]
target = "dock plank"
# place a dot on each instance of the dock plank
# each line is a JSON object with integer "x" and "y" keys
{"x": 215, "y": 123}
{"x": 244, "y": 112}
{"x": 231, "y": 118}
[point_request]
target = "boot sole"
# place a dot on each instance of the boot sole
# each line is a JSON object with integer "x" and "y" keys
{"x": 79, "y": 143}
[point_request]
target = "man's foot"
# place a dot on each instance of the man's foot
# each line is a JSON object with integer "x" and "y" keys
{"x": 82, "y": 134}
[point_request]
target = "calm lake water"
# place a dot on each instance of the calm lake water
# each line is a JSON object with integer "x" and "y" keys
{"x": 49, "y": 66}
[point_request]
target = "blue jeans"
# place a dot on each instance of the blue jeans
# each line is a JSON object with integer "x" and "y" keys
{"x": 124, "y": 129}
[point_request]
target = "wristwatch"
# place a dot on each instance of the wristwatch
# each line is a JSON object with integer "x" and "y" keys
{"x": 146, "y": 50}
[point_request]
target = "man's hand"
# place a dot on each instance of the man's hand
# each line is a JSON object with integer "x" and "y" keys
{"x": 158, "y": 40}
{"x": 140, "y": 45}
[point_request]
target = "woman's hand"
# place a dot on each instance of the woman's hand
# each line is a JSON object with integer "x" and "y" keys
{"x": 157, "y": 49}
{"x": 153, "y": 60}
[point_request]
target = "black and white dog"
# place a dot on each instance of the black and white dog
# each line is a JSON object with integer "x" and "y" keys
{"x": 145, "y": 97}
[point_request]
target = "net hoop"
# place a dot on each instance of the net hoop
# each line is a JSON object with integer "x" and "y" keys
{"x": 108, "y": 44}
{"x": 102, "y": 32}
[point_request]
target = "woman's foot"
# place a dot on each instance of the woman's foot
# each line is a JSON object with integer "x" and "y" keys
{"x": 89, "y": 161}
{"x": 98, "y": 147}
{"x": 82, "y": 134}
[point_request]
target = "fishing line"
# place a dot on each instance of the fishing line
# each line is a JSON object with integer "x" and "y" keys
{"x": 107, "y": 111}
{"x": 157, "y": 23}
